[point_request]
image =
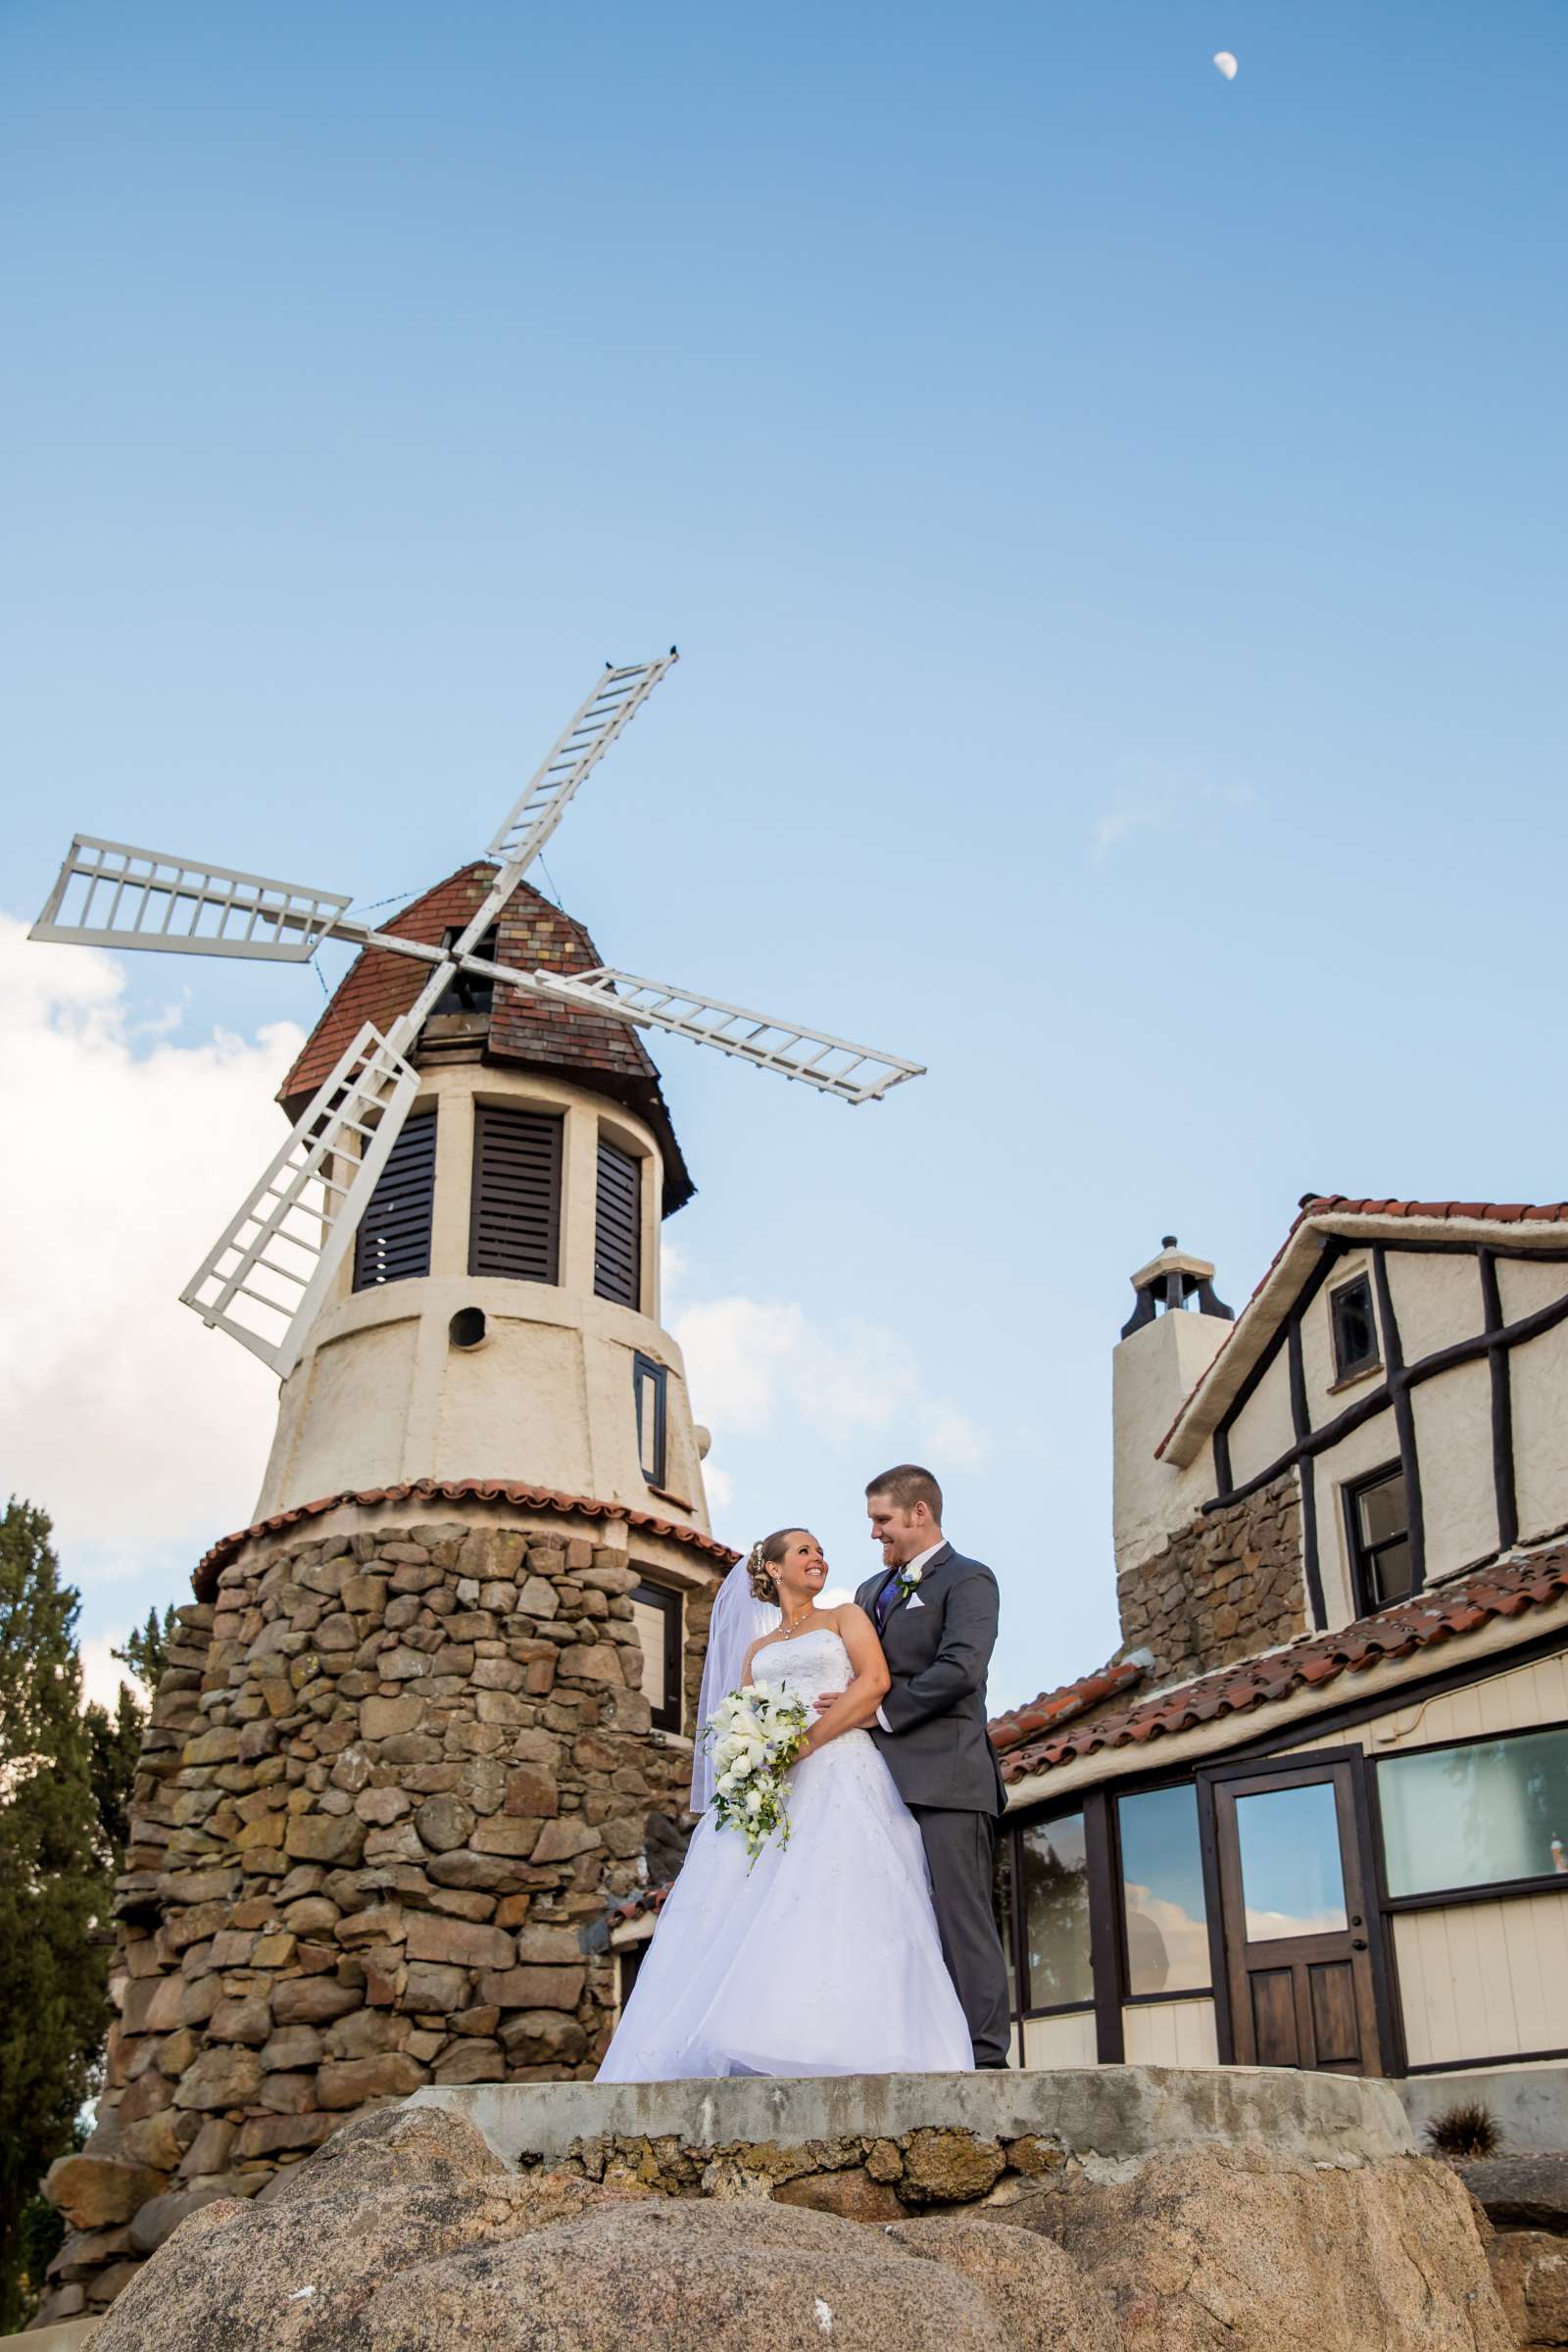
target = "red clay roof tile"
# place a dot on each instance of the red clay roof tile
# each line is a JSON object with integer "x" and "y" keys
{"x": 1444, "y": 1613}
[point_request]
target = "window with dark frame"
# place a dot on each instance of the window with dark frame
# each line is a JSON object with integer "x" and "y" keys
{"x": 1164, "y": 1909}
{"x": 629, "y": 1960}
{"x": 1378, "y": 1522}
{"x": 1355, "y": 1329}
{"x": 393, "y": 1242}
{"x": 1480, "y": 1813}
{"x": 656, "y": 1613}
{"x": 649, "y": 1382}
{"x": 514, "y": 1205}
{"x": 618, "y": 1226}
{"x": 1041, "y": 1900}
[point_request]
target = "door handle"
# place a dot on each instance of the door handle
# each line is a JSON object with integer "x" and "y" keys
{"x": 1359, "y": 1943}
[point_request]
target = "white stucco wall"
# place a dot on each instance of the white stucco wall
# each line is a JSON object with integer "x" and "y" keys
{"x": 1524, "y": 1284}
{"x": 1437, "y": 1300}
{"x": 1264, "y": 1428}
{"x": 1151, "y": 1373}
{"x": 1452, "y": 1415}
{"x": 1538, "y": 1378}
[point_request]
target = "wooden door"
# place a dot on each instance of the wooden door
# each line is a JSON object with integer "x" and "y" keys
{"x": 1297, "y": 1919}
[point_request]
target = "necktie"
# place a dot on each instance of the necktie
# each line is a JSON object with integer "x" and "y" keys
{"x": 885, "y": 1599}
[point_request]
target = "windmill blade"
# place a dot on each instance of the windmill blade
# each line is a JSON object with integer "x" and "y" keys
{"x": 265, "y": 1279}
{"x": 855, "y": 1073}
{"x": 617, "y": 696}
{"x": 109, "y": 895}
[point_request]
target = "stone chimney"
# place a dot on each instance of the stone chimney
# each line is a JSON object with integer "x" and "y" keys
{"x": 1172, "y": 1335}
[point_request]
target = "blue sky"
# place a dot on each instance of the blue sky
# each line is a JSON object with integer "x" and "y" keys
{"x": 1111, "y": 518}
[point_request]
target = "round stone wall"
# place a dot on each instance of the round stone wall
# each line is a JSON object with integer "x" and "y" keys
{"x": 390, "y": 1779}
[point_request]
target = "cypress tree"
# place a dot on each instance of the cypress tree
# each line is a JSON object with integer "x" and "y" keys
{"x": 54, "y": 1888}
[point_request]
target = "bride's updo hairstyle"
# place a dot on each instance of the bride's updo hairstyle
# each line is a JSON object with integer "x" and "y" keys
{"x": 764, "y": 1556}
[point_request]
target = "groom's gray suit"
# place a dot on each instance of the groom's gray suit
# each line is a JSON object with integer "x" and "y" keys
{"x": 932, "y": 1732}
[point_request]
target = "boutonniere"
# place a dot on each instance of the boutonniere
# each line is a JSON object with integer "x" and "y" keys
{"x": 908, "y": 1578}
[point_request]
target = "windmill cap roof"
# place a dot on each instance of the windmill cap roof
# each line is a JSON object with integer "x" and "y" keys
{"x": 591, "y": 1049}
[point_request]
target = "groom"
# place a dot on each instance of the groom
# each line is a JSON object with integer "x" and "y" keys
{"x": 935, "y": 1613}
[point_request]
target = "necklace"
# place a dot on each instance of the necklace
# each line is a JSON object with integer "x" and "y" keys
{"x": 790, "y": 1623}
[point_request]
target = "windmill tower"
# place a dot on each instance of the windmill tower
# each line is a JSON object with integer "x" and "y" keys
{"x": 429, "y": 1707}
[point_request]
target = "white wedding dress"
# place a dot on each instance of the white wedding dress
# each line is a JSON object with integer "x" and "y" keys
{"x": 823, "y": 1957}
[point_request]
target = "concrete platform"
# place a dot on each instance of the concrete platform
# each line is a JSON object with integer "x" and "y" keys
{"x": 1110, "y": 2118}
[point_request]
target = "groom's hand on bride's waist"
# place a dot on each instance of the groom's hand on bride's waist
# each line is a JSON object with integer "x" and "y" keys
{"x": 829, "y": 1698}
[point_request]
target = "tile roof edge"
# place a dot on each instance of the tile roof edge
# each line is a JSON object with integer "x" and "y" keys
{"x": 1510, "y": 1586}
{"x": 450, "y": 1490}
{"x": 1015, "y": 1724}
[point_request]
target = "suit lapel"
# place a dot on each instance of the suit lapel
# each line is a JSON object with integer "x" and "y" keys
{"x": 932, "y": 1568}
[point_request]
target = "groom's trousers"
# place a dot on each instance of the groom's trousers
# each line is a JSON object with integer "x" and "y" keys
{"x": 960, "y": 1853}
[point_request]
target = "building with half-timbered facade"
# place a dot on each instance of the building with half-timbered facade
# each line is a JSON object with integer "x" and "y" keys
{"x": 1315, "y": 1812}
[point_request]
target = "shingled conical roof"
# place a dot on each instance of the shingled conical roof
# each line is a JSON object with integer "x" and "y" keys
{"x": 572, "y": 1041}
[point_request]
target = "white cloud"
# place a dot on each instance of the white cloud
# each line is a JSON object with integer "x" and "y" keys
{"x": 133, "y": 1427}
{"x": 102, "y": 1674}
{"x": 753, "y": 1365}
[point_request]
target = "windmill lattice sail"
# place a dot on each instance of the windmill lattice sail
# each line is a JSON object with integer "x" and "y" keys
{"x": 855, "y": 1073}
{"x": 109, "y": 895}
{"x": 264, "y": 1278}
{"x": 616, "y": 699}
{"x": 270, "y": 1271}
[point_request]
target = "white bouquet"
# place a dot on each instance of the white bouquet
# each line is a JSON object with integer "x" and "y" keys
{"x": 756, "y": 1734}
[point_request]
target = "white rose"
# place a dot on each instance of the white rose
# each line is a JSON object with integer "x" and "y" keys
{"x": 743, "y": 1767}
{"x": 913, "y": 1576}
{"x": 754, "y": 1800}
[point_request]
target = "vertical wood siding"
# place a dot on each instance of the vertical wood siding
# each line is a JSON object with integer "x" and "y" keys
{"x": 1484, "y": 1979}
{"x": 1171, "y": 2034}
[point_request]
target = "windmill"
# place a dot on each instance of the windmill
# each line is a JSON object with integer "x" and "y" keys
{"x": 274, "y": 1263}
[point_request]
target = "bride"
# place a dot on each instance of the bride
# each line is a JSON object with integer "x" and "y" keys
{"x": 821, "y": 1957}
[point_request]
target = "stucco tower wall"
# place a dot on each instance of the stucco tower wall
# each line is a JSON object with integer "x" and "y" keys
{"x": 382, "y": 1396}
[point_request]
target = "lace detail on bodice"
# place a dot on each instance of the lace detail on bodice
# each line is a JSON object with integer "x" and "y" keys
{"x": 810, "y": 1663}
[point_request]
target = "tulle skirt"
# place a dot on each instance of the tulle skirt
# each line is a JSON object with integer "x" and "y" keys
{"x": 820, "y": 1958}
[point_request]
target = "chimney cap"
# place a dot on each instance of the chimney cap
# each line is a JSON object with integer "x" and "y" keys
{"x": 1174, "y": 1280}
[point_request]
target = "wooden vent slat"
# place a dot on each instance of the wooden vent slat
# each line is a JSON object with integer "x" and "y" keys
{"x": 618, "y": 1227}
{"x": 515, "y": 1215}
{"x": 393, "y": 1243}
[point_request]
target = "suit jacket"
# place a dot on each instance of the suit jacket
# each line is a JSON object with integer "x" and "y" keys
{"x": 938, "y": 1750}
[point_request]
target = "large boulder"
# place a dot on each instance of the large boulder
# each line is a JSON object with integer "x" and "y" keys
{"x": 1521, "y": 2192}
{"x": 1233, "y": 2247}
{"x": 406, "y": 2233}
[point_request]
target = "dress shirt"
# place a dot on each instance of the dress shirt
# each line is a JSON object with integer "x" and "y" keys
{"x": 920, "y": 1560}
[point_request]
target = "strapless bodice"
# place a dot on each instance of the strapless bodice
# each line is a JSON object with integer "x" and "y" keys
{"x": 810, "y": 1663}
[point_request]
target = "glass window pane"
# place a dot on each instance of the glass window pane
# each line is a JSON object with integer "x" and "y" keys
{"x": 1056, "y": 1912}
{"x": 1162, "y": 1892}
{"x": 1389, "y": 1573}
{"x": 650, "y": 1620}
{"x": 1292, "y": 1880}
{"x": 1354, "y": 1332}
{"x": 1475, "y": 1816}
{"x": 1383, "y": 1511}
{"x": 1002, "y": 1897}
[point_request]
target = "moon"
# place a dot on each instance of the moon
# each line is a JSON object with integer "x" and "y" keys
{"x": 1226, "y": 64}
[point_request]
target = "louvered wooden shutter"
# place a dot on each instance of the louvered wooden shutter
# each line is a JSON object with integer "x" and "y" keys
{"x": 515, "y": 1217}
{"x": 393, "y": 1243}
{"x": 618, "y": 1227}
